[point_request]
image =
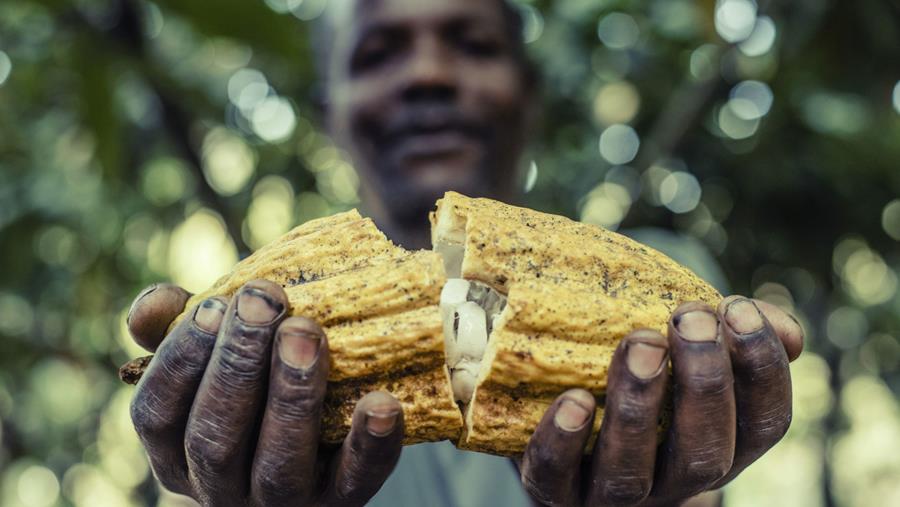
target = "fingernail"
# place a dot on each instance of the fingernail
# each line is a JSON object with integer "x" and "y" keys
{"x": 255, "y": 306}
{"x": 743, "y": 317}
{"x": 644, "y": 360}
{"x": 299, "y": 349}
{"x": 139, "y": 297}
{"x": 571, "y": 415}
{"x": 209, "y": 315}
{"x": 697, "y": 326}
{"x": 797, "y": 323}
{"x": 380, "y": 422}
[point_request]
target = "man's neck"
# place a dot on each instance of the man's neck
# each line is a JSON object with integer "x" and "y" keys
{"x": 411, "y": 238}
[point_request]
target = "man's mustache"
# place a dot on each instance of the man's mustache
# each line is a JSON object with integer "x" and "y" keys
{"x": 425, "y": 118}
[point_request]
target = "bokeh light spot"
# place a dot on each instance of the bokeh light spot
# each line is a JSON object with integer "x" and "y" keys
{"x": 606, "y": 205}
{"x": 308, "y": 10}
{"x": 38, "y": 487}
{"x": 761, "y": 39}
{"x": 704, "y": 62}
{"x": 618, "y": 30}
{"x": 835, "y": 113}
{"x": 619, "y": 144}
{"x": 311, "y": 205}
{"x": 228, "y": 161}
{"x": 680, "y": 192}
{"x": 154, "y": 21}
{"x": 735, "y": 19}
{"x": 283, "y": 6}
{"x": 273, "y": 119}
{"x": 896, "y": 96}
{"x": 865, "y": 462}
{"x": 732, "y": 124}
{"x": 340, "y": 184}
{"x": 247, "y": 88}
{"x": 532, "y": 23}
{"x": 166, "y": 180}
{"x": 5, "y": 67}
{"x": 200, "y": 251}
{"x": 531, "y": 177}
{"x": 271, "y": 212}
{"x": 864, "y": 273}
{"x": 16, "y": 315}
{"x": 846, "y": 327}
{"x": 626, "y": 177}
{"x": 678, "y": 19}
{"x": 751, "y": 100}
{"x": 890, "y": 219}
{"x": 616, "y": 102}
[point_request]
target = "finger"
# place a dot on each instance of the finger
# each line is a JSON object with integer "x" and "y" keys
{"x": 762, "y": 380}
{"x": 552, "y": 460}
{"x": 152, "y": 311}
{"x": 625, "y": 453}
{"x": 789, "y": 331}
{"x": 164, "y": 395}
{"x": 700, "y": 443}
{"x": 285, "y": 461}
{"x": 231, "y": 394}
{"x": 369, "y": 453}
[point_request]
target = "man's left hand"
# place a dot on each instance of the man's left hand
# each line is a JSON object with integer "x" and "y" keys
{"x": 732, "y": 402}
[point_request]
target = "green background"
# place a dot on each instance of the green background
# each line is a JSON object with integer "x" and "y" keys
{"x": 144, "y": 141}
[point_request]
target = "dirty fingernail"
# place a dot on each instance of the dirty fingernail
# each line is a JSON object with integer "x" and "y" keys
{"x": 572, "y": 413}
{"x": 209, "y": 315}
{"x": 644, "y": 360}
{"x": 697, "y": 326}
{"x": 299, "y": 349}
{"x": 380, "y": 422}
{"x": 139, "y": 297}
{"x": 255, "y": 306}
{"x": 743, "y": 317}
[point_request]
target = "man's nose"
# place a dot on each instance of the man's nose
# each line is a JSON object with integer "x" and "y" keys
{"x": 431, "y": 73}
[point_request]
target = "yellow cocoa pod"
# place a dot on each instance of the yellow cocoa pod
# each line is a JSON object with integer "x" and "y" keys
{"x": 538, "y": 304}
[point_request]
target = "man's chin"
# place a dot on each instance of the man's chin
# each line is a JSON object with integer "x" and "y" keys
{"x": 410, "y": 201}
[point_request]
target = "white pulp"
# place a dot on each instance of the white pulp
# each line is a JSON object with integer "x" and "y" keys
{"x": 468, "y": 310}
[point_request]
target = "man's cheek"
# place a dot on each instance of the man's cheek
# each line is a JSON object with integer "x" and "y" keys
{"x": 499, "y": 87}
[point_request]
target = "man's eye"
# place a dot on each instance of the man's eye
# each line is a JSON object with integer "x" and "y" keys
{"x": 481, "y": 47}
{"x": 369, "y": 58}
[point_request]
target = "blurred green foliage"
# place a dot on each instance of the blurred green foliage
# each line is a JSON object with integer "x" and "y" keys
{"x": 144, "y": 141}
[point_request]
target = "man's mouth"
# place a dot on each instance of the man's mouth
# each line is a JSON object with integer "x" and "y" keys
{"x": 429, "y": 145}
{"x": 429, "y": 133}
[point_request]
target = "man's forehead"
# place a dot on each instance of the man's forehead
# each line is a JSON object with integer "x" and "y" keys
{"x": 344, "y": 14}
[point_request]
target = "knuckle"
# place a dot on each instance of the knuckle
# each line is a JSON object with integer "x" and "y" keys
{"x": 149, "y": 423}
{"x": 633, "y": 415}
{"x": 176, "y": 483}
{"x": 700, "y": 475}
{"x": 241, "y": 363}
{"x": 538, "y": 491}
{"x": 208, "y": 456}
{"x": 768, "y": 430}
{"x": 271, "y": 488}
{"x": 625, "y": 491}
{"x": 707, "y": 384}
{"x": 304, "y": 407}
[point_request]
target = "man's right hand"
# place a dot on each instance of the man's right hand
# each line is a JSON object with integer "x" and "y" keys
{"x": 229, "y": 409}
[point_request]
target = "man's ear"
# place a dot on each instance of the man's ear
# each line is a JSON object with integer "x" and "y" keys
{"x": 320, "y": 103}
{"x": 534, "y": 109}
{"x": 534, "y": 112}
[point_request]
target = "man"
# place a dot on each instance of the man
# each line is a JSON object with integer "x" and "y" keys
{"x": 430, "y": 95}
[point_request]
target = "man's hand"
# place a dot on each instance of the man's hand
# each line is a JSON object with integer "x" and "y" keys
{"x": 229, "y": 409}
{"x": 732, "y": 402}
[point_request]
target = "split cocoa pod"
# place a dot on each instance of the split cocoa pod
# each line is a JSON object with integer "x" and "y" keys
{"x": 478, "y": 336}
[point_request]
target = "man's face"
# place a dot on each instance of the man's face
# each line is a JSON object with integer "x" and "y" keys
{"x": 427, "y": 95}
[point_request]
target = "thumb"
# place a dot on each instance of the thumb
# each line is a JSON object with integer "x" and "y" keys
{"x": 152, "y": 311}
